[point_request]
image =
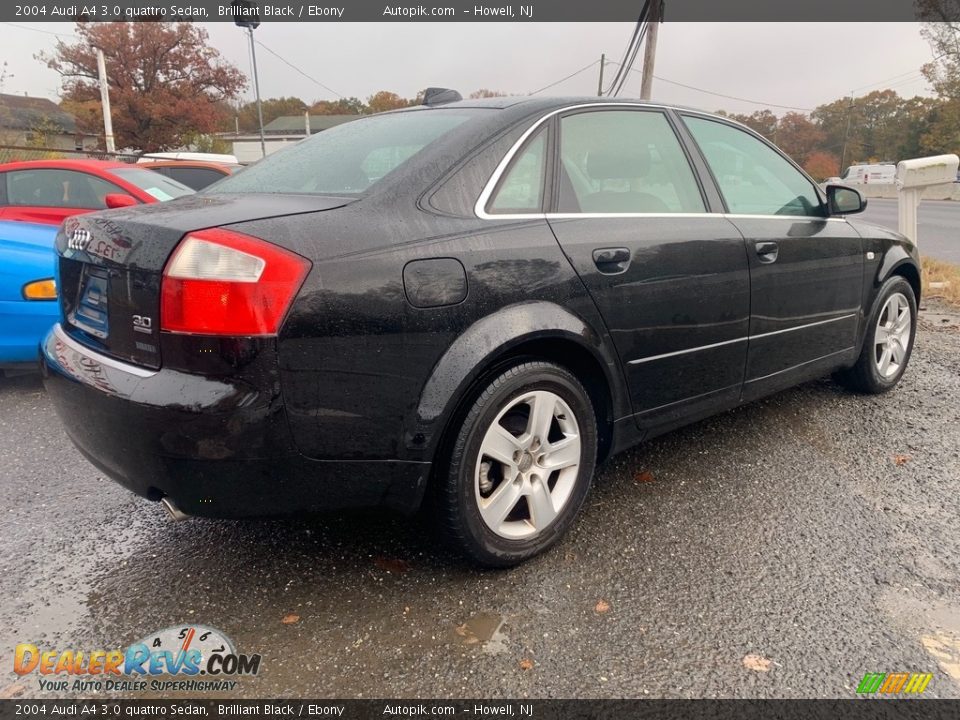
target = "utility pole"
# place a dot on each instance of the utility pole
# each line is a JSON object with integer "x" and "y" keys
{"x": 603, "y": 61}
{"x": 105, "y": 102}
{"x": 246, "y": 14}
{"x": 846, "y": 134}
{"x": 256, "y": 87}
{"x": 650, "y": 49}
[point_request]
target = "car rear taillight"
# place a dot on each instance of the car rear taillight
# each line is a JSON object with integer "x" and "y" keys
{"x": 221, "y": 282}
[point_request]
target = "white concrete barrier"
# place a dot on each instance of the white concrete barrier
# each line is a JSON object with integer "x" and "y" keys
{"x": 943, "y": 191}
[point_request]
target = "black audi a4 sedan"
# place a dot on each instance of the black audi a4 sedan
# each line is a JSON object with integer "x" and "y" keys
{"x": 470, "y": 303}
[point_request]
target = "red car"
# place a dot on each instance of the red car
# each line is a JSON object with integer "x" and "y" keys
{"x": 48, "y": 191}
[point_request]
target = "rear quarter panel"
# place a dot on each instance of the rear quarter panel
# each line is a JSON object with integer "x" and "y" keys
{"x": 356, "y": 354}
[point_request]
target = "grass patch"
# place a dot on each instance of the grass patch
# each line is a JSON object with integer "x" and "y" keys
{"x": 935, "y": 272}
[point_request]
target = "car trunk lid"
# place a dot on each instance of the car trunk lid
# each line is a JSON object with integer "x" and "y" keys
{"x": 111, "y": 264}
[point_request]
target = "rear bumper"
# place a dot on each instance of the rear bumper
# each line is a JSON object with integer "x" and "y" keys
{"x": 216, "y": 447}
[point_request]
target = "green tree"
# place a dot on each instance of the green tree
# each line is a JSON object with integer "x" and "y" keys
{"x": 942, "y": 133}
{"x": 272, "y": 109}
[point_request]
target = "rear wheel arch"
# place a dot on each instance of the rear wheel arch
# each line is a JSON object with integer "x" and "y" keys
{"x": 551, "y": 333}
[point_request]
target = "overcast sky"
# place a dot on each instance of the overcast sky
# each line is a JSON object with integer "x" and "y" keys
{"x": 790, "y": 64}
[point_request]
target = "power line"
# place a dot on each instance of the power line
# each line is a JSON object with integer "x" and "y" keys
{"x": 45, "y": 32}
{"x": 294, "y": 67}
{"x": 633, "y": 58}
{"x": 918, "y": 73}
{"x": 573, "y": 74}
{"x": 630, "y": 52}
{"x": 729, "y": 97}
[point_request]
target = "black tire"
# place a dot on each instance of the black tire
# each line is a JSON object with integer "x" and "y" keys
{"x": 458, "y": 494}
{"x": 865, "y": 375}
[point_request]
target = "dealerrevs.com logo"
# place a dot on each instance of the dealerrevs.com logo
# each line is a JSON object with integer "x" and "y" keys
{"x": 894, "y": 683}
{"x": 184, "y": 652}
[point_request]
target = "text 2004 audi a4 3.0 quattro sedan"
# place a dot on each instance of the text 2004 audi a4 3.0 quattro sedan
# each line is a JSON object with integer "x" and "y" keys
{"x": 474, "y": 302}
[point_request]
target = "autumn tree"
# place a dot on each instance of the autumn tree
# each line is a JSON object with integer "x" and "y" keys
{"x": 484, "y": 93}
{"x": 798, "y": 136}
{"x": 761, "y": 121}
{"x": 943, "y": 34}
{"x": 166, "y": 82}
{"x": 386, "y": 100}
{"x": 343, "y": 106}
{"x": 822, "y": 165}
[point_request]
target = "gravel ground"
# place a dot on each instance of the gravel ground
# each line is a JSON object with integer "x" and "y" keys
{"x": 811, "y": 536}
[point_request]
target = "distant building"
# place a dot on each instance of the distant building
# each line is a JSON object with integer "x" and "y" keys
{"x": 282, "y": 132}
{"x": 40, "y": 122}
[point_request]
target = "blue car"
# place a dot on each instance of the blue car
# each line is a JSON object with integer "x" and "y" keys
{"x": 28, "y": 296}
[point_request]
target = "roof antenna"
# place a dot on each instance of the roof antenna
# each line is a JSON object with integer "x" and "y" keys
{"x": 440, "y": 96}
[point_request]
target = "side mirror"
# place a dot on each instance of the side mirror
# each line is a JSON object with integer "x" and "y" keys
{"x": 119, "y": 200}
{"x": 843, "y": 200}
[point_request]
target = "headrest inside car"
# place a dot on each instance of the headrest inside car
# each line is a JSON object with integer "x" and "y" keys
{"x": 618, "y": 165}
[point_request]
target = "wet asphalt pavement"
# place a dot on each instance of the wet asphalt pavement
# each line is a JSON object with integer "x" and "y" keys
{"x": 784, "y": 530}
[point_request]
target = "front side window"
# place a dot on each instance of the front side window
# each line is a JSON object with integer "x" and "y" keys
{"x": 624, "y": 161}
{"x": 753, "y": 177}
{"x": 57, "y": 188}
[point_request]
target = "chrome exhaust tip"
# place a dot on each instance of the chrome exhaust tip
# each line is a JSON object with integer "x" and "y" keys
{"x": 175, "y": 513}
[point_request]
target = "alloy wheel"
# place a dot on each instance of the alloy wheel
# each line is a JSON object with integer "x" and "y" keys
{"x": 527, "y": 466}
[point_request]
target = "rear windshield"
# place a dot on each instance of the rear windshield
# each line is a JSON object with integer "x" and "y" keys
{"x": 153, "y": 183}
{"x": 347, "y": 159}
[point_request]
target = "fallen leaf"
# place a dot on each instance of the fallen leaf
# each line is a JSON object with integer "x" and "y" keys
{"x": 644, "y": 476}
{"x": 392, "y": 565}
{"x": 602, "y": 607}
{"x": 290, "y": 619}
{"x": 900, "y": 459}
{"x": 526, "y": 664}
{"x": 757, "y": 662}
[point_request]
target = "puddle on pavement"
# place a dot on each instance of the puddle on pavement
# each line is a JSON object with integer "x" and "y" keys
{"x": 484, "y": 630}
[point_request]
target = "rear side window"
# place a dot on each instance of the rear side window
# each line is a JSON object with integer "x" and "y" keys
{"x": 193, "y": 177}
{"x": 153, "y": 183}
{"x": 57, "y": 188}
{"x": 347, "y": 159}
{"x": 521, "y": 189}
{"x": 624, "y": 161}
{"x": 753, "y": 177}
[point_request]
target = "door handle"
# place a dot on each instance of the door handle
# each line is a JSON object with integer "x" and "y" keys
{"x": 611, "y": 261}
{"x": 767, "y": 251}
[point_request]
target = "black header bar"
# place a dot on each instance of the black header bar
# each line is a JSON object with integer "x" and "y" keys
{"x": 484, "y": 10}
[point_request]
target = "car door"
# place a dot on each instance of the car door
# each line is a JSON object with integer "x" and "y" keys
{"x": 50, "y": 195}
{"x": 806, "y": 268}
{"x": 669, "y": 278}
